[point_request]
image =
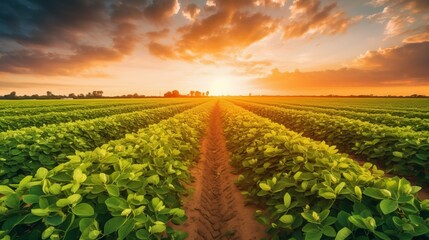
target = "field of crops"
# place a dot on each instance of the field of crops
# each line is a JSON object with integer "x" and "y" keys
{"x": 215, "y": 168}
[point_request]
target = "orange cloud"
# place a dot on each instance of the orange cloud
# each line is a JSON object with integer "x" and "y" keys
{"x": 160, "y": 11}
{"x": 397, "y": 66}
{"x": 417, "y": 38}
{"x": 191, "y": 12}
{"x": 224, "y": 31}
{"x": 157, "y": 35}
{"x": 309, "y": 17}
{"x": 161, "y": 51}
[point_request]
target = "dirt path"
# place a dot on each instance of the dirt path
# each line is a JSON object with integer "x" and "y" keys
{"x": 216, "y": 209}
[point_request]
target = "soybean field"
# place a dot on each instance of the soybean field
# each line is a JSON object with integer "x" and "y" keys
{"x": 215, "y": 168}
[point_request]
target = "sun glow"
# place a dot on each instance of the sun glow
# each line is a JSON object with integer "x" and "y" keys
{"x": 223, "y": 86}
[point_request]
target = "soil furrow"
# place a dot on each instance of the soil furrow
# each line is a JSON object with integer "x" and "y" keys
{"x": 216, "y": 209}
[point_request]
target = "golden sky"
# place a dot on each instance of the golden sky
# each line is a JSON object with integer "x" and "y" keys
{"x": 290, "y": 47}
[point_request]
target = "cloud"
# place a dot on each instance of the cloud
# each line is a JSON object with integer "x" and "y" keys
{"x": 415, "y": 6}
{"x": 397, "y": 66}
{"x": 159, "y": 11}
{"x": 397, "y": 24}
{"x": 54, "y": 38}
{"x": 417, "y": 38}
{"x": 57, "y": 37}
{"x": 270, "y": 3}
{"x": 157, "y": 35}
{"x": 191, "y": 12}
{"x": 311, "y": 18}
{"x": 399, "y": 16}
{"x": 161, "y": 51}
{"x": 227, "y": 30}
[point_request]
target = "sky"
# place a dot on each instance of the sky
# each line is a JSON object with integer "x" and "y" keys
{"x": 226, "y": 47}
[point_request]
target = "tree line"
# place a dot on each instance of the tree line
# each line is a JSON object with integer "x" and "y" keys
{"x": 51, "y": 95}
{"x": 176, "y": 93}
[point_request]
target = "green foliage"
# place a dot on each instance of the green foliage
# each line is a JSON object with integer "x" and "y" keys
{"x": 110, "y": 192}
{"x": 24, "y": 151}
{"x": 311, "y": 191}
{"x": 399, "y": 150}
{"x": 45, "y": 118}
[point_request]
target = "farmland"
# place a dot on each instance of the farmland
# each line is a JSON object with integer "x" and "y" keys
{"x": 215, "y": 168}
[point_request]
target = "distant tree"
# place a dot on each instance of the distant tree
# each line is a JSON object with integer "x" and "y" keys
{"x": 176, "y": 93}
{"x": 10, "y": 95}
{"x": 97, "y": 94}
{"x": 207, "y": 93}
{"x": 197, "y": 94}
{"x": 192, "y": 93}
{"x": 49, "y": 94}
{"x": 203, "y": 94}
{"x": 72, "y": 95}
{"x": 81, "y": 95}
{"x": 168, "y": 94}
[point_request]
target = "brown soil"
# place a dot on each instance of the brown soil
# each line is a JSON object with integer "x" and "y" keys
{"x": 216, "y": 209}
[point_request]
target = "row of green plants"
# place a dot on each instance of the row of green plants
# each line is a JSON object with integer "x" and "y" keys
{"x": 23, "y": 151}
{"x": 398, "y": 150}
{"x": 417, "y": 124}
{"x": 311, "y": 191}
{"x": 17, "y": 122}
{"x": 126, "y": 189}
{"x": 38, "y": 108}
{"x": 408, "y": 113}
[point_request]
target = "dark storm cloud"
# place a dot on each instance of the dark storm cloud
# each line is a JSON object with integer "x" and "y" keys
{"x": 67, "y": 37}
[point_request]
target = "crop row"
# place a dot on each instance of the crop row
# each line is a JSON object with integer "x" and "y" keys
{"x": 416, "y": 124}
{"x": 399, "y": 150}
{"x": 126, "y": 189}
{"x": 17, "y": 122}
{"x": 313, "y": 192}
{"x": 38, "y": 109}
{"x": 372, "y": 110}
{"x": 24, "y": 151}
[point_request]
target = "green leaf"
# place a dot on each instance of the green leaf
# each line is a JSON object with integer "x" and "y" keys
{"x": 264, "y": 186}
{"x": 329, "y": 231}
{"x": 339, "y": 187}
{"x": 41, "y": 212}
{"x": 387, "y": 206}
{"x": 41, "y": 173}
{"x": 83, "y": 210}
{"x": 328, "y": 195}
{"x": 12, "y": 201}
{"x": 159, "y": 227}
{"x": 398, "y": 154}
{"x": 287, "y": 200}
{"x": 358, "y": 221}
{"x": 381, "y": 235}
{"x": 126, "y": 229}
{"x": 30, "y": 198}
{"x": 142, "y": 234}
{"x": 287, "y": 219}
{"x": 343, "y": 233}
{"x": 113, "y": 224}
{"x": 113, "y": 190}
{"x": 425, "y": 204}
{"x": 313, "y": 235}
{"x": 5, "y": 190}
{"x": 374, "y": 193}
{"x": 154, "y": 179}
